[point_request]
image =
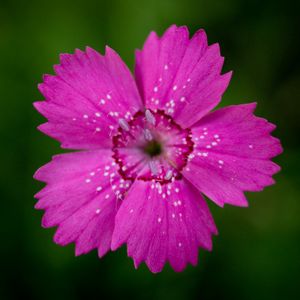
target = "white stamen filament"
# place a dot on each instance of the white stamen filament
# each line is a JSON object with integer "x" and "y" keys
{"x": 147, "y": 134}
{"x": 153, "y": 167}
{"x": 149, "y": 117}
{"x": 169, "y": 175}
{"x": 124, "y": 125}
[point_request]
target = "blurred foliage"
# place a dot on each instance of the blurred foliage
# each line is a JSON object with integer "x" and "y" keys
{"x": 256, "y": 255}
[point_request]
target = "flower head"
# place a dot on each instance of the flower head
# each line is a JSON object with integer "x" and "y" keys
{"x": 150, "y": 148}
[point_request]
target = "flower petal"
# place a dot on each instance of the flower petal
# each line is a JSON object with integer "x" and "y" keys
{"x": 232, "y": 154}
{"x": 86, "y": 98}
{"x": 83, "y": 193}
{"x": 179, "y": 75}
{"x": 163, "y": 223}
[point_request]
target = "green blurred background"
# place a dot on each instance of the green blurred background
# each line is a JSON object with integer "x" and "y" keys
{"x": 256, "y": 255}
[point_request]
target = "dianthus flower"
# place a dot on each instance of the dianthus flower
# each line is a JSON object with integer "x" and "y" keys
{"x": 150, "y": 148}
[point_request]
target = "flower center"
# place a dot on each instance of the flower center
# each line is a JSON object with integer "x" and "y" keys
{"x": 151, "y": 146}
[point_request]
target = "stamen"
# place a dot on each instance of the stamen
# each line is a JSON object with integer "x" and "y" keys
{"x": 169, "y": 175}
{"x": 124, "y": 125}
{"x": 149, "y": 117}
{"x": 147, "y": 134}
{"x": 153, "y": 167}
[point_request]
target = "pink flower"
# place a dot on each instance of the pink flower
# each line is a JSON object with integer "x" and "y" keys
{"x": 150, "y": 148}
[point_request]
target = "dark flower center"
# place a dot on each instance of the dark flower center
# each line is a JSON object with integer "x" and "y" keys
{"x": 153, "y": 148}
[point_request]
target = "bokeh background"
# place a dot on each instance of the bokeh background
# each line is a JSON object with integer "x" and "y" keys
{"x": 257, "y": 252}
